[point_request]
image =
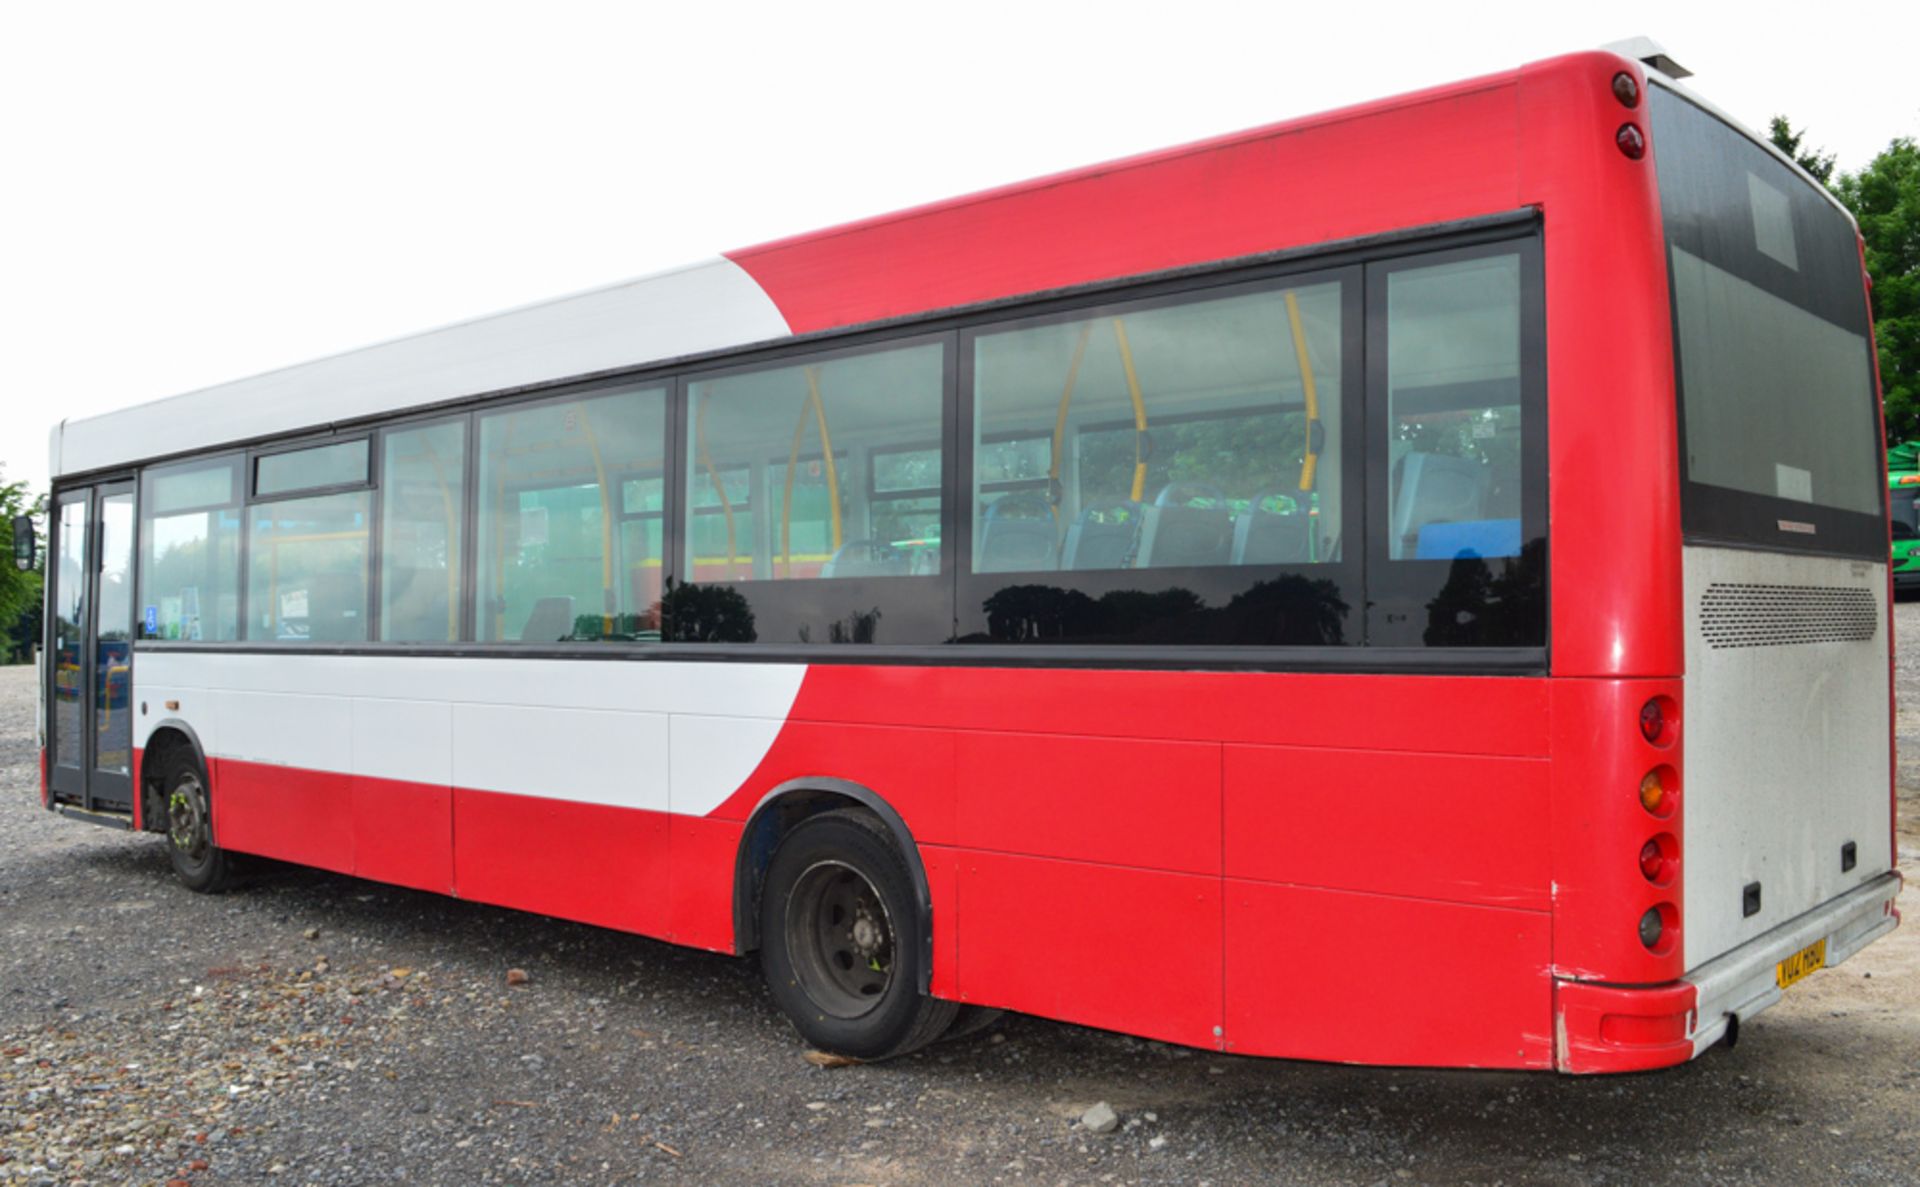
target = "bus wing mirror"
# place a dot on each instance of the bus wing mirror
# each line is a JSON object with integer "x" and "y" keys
{"x": 23, "y": 543}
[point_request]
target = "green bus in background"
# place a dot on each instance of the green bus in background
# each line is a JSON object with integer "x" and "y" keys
{"x": 1903, "y": 492}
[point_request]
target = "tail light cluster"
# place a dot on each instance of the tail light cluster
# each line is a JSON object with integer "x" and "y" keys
{"x": 1660, "y": 850}
{"x": 1629, "y": 138}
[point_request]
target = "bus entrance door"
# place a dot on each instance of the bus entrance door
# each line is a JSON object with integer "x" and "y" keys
{"x": 90, "y": 732}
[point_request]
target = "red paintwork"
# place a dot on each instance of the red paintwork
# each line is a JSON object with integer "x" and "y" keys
{"x": 586, "y": 862}
{"x": 1083, "y": 799}
{"x": 700, "y": 905}
{"x": 1109, "y": 946}
{"x": 139, "y": 813}
{"x": 283, "y": 812}
{"x": 1610, "y": 1028}
{"x": 1463, "y": 829}
{"x": 402, "y": 832}
{"x": 1291, "y": 184}
{"x": 1367, "y": 978}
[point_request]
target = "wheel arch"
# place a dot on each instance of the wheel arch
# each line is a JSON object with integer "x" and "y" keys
{"x": 782, "y": 809}
{"x": 164, "y": 739}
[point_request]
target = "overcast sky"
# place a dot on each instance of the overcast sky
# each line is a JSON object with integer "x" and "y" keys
{"x": 194, "y": 192}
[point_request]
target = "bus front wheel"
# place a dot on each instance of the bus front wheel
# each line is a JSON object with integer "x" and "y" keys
{"x": 200, "y": 865}
{"x": 838, "y": 917}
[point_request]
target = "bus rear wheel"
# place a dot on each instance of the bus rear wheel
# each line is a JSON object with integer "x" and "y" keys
{"x": 838, "y": 921}
{"x": 200, "y": 865}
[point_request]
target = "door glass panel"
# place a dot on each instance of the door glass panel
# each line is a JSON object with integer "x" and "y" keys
{"x": 112, "y": 663}
{"x": 69, "y": 630}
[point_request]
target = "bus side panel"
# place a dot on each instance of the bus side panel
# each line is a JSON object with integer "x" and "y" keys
{"x": 1614, "y": 567}
{"x": 1129, "y": 950}
{"x": 282, "y": 786}
{"x": 291, "y": 813}
{"x": 591, "y": 863}
{"x": 700, "y": 887}
{"x": 403, "y": 833}
{"x": 943, "y": 889}
{"x": 911, "y": 769}
{"x": 1466, "y": 829}
{"x": 402, "y": 792}
{"x": 1119, "y": 801}
{"x": 1367, "y": 978}
{"x": 1429, "y": 714}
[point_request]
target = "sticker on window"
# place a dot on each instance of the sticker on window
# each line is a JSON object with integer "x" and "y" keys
{"x": 1772, "y": 222}
{"x": 1791, "y": 482}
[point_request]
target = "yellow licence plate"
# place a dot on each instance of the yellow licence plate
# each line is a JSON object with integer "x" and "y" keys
{"x": 1794, "y": 967}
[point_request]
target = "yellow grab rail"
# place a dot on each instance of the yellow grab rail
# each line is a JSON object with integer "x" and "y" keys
{"x": 1310, "y": 461}
{"x": 1139, "y": 411}
{"x": 1060, "y": 421}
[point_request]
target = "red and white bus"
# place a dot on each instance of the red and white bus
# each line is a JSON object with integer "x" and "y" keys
{"x": 1404, "y": 586}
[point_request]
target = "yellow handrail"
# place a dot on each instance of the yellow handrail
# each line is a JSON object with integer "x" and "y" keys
{"x": 826, "y": 447}
{"x": 1139, "y": 411}
{"x": 1060, "y": 420}
{"x": 1309, "y": 463}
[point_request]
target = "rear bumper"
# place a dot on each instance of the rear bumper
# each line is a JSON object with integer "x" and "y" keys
{"x": 1616, "y": 1028}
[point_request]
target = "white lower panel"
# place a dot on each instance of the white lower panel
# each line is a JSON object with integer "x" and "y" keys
{"x": 676, "y": 737}
{"x": 593, "y": 756}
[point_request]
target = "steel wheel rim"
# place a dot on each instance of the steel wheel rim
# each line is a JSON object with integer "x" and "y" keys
{"x": 840, "y": 939}
{"x": 187, "y": 820}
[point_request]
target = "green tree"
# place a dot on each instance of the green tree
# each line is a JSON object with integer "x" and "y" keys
{"x": 1784, "y": 138}
{"x": 1885, "y": 200}
{"x": 19, "y": 589}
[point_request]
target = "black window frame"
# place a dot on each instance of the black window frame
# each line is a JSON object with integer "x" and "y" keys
{"x": 1407, "y": 586}
{"x": 302, "y": 445}
{"x": 814, "y": 603}
{"x": 238, "y": 465}
{"x": 575, "y": 392}
{"x": 1215, "y": 584}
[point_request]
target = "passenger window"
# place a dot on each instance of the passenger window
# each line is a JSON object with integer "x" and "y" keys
{"x": 1458, "y": 517}
{"x": 307, "y": 569}
{"x": 568, "y": 548}
{"x": 821, "y": 470}
{"x": 341, "y": 464}
{"x": 1453, "y": 410}
{"x": 422, "y": 514}
{"x": 1193, "y": 435}
{"x": 190, "y": 552}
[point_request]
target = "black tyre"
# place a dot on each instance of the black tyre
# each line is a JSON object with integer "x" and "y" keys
{"x": 839, "y": 923}
{"x": 201, "y": 865}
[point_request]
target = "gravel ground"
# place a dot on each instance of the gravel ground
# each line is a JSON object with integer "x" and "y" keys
{"x": 315, "y": 1029}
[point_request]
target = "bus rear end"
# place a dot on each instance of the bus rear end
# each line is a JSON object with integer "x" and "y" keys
{"x": 1787, "y": 774}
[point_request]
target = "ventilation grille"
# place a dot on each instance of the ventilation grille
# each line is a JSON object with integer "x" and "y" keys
{"x": 1747, "y": 615}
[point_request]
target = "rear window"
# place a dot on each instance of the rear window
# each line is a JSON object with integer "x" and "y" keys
{"x": 1779, "y": 426}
